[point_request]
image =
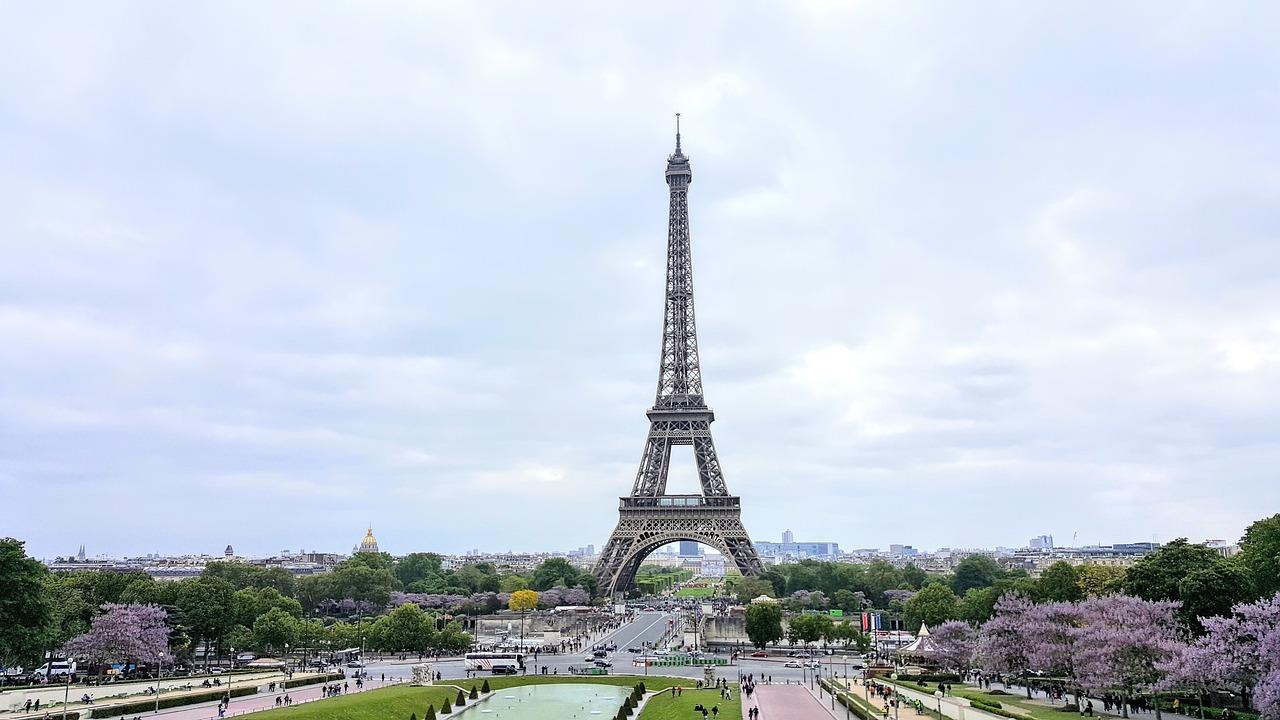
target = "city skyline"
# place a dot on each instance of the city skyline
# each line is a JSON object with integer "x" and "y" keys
{"x": 954, "y": 265}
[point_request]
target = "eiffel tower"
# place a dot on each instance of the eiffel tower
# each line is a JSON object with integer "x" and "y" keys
{"x": 650, "y": 518}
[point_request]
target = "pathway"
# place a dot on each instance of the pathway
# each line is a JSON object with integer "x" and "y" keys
{"x": 785, "y": 702}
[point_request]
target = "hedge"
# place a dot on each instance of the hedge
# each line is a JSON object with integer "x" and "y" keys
{"x": 328, "y": 677}
{"x": 1210, "y": 713}
{"x": 172, "y": 701}
{"x": 847, "y": 699}
{"x": 931, "y": 677}
{"x": 994, "y": 708}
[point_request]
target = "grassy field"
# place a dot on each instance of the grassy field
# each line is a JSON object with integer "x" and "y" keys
{"x": 1015, "y": 704}
{"x": 666, "y": 707}
{"x": 400, "y": 701}
{"x": 696, "y": 592}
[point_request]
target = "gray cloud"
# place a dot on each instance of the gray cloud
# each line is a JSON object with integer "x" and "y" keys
{"x": 964, "y": 275}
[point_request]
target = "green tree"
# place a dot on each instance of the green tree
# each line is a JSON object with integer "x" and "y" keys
{"x": 242, "y": 575}
{"x": 1100, "y": 579}
{"x": 933, "y": 605}
{"x": 978, "y": 604}
{"x": 750, "y": 588}
{"x": 811, "y": 628}
{"x": 975, "y": 571}
{"x": 1202, "y": 580}
{"x": 556, "y": 571}
{"x": 274, "y": 628}
{"x": 416, "y": 566}
{"x": 1060, "y": 583}
{"x": 24, "y": 605}
{"x": 512, "y": 582}
{"x": 846, "y": 601}
{"x": 1260, "y": 555}
{"x": 370, "y": 560}
{"x": 913, "y": 577}
{"x": 764, "y": 623}
{"x": 144, "y": 591}
{"x": 207, "y": 608}
{"x": 407, "y": 628}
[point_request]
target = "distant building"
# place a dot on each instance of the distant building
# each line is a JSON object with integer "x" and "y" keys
{"x": 788, "y": 537}
{"x": 690, "y": 548}
{"x": 902, "y": 550}
{"x": 1041, "y": 542}
{"x": 712, "y": 566}
{"x": 229, "y": 553}
{"x": 798, "y": 549}
{"x": 369, "y": 544}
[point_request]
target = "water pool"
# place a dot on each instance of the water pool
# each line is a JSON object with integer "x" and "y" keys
{"x": 558, "y": 701}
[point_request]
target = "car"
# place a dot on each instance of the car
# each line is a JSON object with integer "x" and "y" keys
{"x": 504, "y": 670}
{"x": 813, "y": 664}
{"x": 216, "y": 671}
{"x": 603, "y": 663}
{"x": 661, "y": 652}
{"x": 793, "y": 664}
{"x": 634, "y": 649}
{"x": 759, "y": 653}
{"x": 650, "y": 609}
{"x": 802, "y": 656}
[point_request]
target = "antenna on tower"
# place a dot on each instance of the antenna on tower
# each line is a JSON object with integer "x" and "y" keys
{"x": 677, "y": 133}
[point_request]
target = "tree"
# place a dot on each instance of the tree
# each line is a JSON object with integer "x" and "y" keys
{"x": 1123, "y": 643}
{"x": 1196, "y": 576}
{"x": 1052, "y": 630}
{"x": 978, "y": 604}
{"x": 274, "y": 628}
{"x": 557, "y": 571}
{"x": 975, "y": 571}
{"x": 206, "y": 604}
{"x": 1260, "y": 555}
{"x": 1233, "y": 652}
{"x": 750, "y": 588}
{"x": 764, "y": 623}
{"x": 523, "y": 600}
{"x": 913, "y": 577}
{"x": 417, "y": 566}
{"x": 123, "y": 633}
{"x": 512, "y": 582}
{"x": 1100, "y": 579}
{"x": 955, "y": 641}
{"x": 1004, "y": 646}
{"x": 1059, "y": 583}
{"x": 810, "y": 628}
{"x": 933, "y": 605}
{"x": 24, "y": 607}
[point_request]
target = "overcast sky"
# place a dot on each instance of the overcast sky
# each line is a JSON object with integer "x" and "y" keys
{"x": 966, "y": 273}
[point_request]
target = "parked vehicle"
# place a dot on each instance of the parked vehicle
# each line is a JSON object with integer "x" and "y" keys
{"x": 759, "y": 653}
{"x": 793, "y": 664}
{"x": 54, "y": 670}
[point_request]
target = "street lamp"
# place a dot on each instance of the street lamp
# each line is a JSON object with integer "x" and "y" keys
{"x": 159, "y": 674}
{"x": 231, "y": 676}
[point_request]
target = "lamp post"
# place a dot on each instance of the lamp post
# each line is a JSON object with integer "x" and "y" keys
{"x": 66, "y": 691}
{"x": 231, "y": 676}
{"x": 159, "y": 674}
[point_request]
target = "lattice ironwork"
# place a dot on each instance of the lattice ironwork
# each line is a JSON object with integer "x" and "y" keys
{"x": 650, "y": 518}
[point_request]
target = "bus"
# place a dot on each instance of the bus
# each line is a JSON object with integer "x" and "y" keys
{"x": 508, "y": 663}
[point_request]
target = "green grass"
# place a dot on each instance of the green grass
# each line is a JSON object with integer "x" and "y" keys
{"x": 398, "y": 702}
{"x": 393, "y": 703}
{"x": 1014, "y": 704}
{"x": 697, "y": 592}
{"x": 666, "y": 707}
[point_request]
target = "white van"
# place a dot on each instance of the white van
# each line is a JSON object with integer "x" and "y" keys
{"x": 54, "y": 670}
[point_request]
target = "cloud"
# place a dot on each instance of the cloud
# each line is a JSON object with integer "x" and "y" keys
{"x": 403, "y": 264}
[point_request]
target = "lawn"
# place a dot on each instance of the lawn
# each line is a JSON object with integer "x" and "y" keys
{"x": 697, "y": 592}
{"x": 393, "y": 703}
{"x": 400, "y": 701}
{"x": 666, "y": 707}
{"x": 1015, "y": 704}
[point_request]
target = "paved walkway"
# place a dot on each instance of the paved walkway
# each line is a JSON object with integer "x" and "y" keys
{"x": 785, "y": 702}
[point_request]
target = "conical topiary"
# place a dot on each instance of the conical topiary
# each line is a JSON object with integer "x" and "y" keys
{"x": 461, "y": 699}
{"x": 485, "y": 687}
{"x": 474, "y": 693}
{"x": 444, "y": 707}
{"x": 431, "y": 713}
{"x": 413, "y": 716}
{"x": 640, "y": 685}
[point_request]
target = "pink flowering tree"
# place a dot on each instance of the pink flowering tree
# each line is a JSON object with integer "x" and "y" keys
{"x": 954, "y": 643}
{"x": 1004, "y": 645}
{"x": 1053, "y": 629}
{"x": 1124, "y": 644}
{"x": 1240, "y": 652}
{"x": 135, "y": 633}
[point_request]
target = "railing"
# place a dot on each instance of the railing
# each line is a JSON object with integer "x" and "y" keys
{"x": 667, "y": 502}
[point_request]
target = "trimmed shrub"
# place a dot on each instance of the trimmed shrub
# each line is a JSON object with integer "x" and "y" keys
{"x": 148, "y": 705}
{"x": 445, "y": 709}
{"x": 640, "y": 687}
{"x": 328, "y": 677}
{"x": 430, "y": 714}
{"x": 461, "y": 700}
{"x": 485, "y": 687}
{"x": 474, "y": 693}
{"x": 413, "y": 716}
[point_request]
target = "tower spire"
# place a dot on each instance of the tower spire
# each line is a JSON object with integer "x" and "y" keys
{"x": 677, "y": 133}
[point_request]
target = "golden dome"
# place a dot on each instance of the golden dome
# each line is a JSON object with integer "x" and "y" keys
{"x": 369, "y": 543}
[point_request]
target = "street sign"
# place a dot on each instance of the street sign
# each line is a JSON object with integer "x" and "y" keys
{"x": 837, "y": 613}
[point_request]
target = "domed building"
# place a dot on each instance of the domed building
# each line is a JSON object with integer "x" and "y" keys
{"x": 369, "y": 544}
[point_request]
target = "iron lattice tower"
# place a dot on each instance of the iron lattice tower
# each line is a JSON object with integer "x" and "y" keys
{"x": 649, "y": 518}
